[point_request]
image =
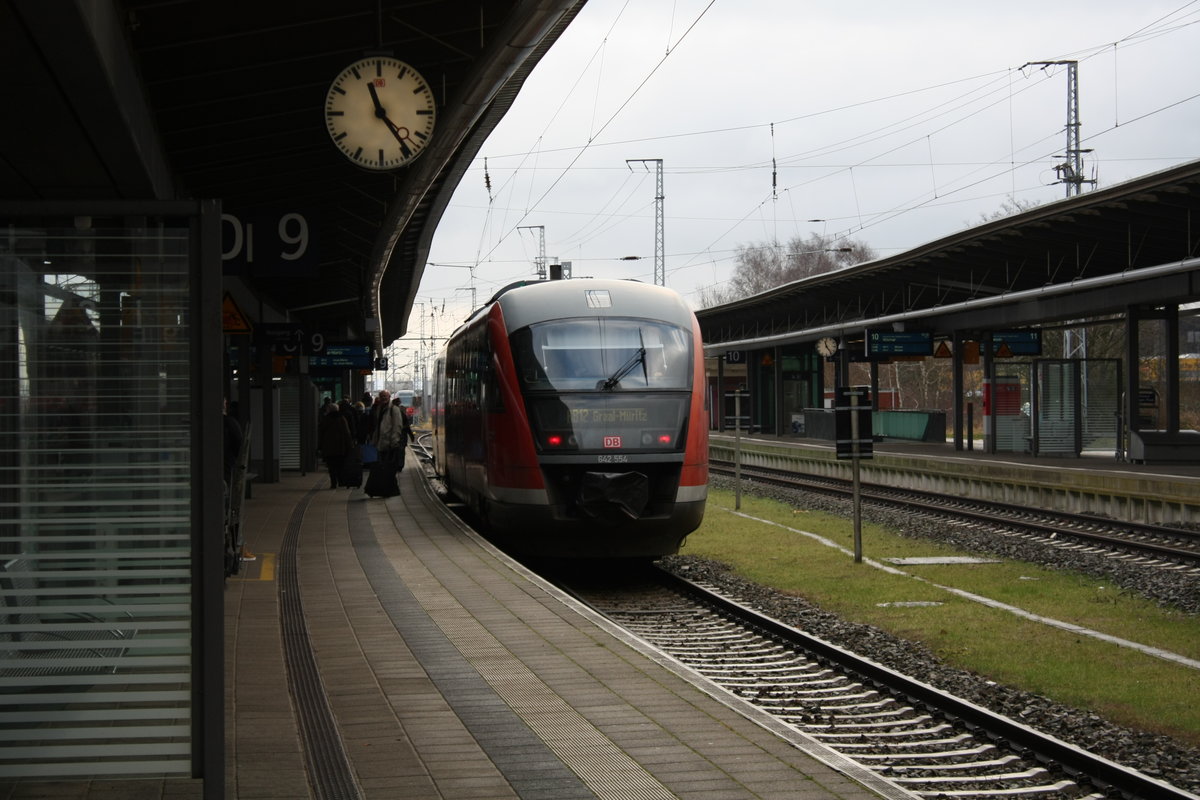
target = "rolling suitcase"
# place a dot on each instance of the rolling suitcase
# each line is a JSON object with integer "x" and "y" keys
{"x": 352, "y": 470}
{"x": 381, "y": 479}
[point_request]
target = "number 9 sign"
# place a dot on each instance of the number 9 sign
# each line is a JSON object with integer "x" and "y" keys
{"x": 268, "y": 244}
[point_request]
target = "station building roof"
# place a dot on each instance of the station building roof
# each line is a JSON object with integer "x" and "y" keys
{"x": 1136, "y": 243}
{"x": 201, "y": 99}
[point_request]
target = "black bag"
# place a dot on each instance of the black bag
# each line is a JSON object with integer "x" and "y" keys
{"x": 352, "y": 470}
{"x": 381, "y": 479}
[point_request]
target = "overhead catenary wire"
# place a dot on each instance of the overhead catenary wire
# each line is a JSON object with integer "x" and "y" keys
{"x": 610, "y": 215}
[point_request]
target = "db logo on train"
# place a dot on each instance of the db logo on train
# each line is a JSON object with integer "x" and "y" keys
{"x": 612, "y": 441}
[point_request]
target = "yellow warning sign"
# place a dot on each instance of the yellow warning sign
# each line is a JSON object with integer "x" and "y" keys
{"x": 232, "y": 318}
{"x": 943, "y": 350}
{"x": 1004, "y": 351}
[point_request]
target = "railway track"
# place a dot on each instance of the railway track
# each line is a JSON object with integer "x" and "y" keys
{"x": 1172, "y": 548}
{"x": 915, "y": 735}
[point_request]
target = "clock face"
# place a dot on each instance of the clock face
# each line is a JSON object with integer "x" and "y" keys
{"x": 827, "y": 346}
{"x": 380, "y": 113}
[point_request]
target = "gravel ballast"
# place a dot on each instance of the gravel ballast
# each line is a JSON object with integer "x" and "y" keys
{"x": 1155, "y": 755}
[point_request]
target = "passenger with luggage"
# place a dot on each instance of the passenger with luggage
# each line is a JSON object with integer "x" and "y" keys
{"x": 334, "y": 442}
{"x": 389, "y": 439}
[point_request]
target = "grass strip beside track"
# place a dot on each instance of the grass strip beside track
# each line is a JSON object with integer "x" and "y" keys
{"x": 1123, "y": 685}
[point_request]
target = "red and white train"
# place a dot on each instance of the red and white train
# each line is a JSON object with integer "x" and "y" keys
{"x": 569, "y": 415}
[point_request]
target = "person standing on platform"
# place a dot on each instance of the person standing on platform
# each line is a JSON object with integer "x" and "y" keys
{"x": 334, "y": 441}
{"x": 233, "y": 442}
{"x": 362, "y": 423}
{"x": 406, "y": 421}
{"x": 389, "y": 431}
{"x": 387, "y": 437}
{"x": 347, "y": 412}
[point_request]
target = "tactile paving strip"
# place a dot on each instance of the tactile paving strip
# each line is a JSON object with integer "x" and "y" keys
{"x": 329, "y": 769}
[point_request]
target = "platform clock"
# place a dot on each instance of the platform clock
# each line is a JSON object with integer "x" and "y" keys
{"x": 827, "y": 346}
{"x": 380, "y": 113}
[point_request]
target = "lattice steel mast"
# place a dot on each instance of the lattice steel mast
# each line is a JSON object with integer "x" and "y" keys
{"x": 660, "y": 265}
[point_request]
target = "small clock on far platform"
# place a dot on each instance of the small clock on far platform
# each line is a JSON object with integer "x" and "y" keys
{"x": 827, "y": 346}
{"x": 380, "y": 113}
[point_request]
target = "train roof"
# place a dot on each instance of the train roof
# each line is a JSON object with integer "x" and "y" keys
{"x": 540, "y": 301}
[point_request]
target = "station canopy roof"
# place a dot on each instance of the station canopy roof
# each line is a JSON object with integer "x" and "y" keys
{"x": 1136, "y": 243}
{"x": 199, "y": 99}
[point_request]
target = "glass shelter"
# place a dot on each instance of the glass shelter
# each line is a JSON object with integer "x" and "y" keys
{"x": 111, "y": 529}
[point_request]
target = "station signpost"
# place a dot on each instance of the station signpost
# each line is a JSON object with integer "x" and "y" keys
{"x": 855, "y": 440}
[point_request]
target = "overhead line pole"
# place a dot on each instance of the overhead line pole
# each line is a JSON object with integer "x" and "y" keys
{"x": 540, "y": 263}
{"x": 1070, "y": 174}
{"x": 660, "y": 265}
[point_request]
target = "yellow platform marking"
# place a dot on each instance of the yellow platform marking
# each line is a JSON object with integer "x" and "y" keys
{"x": 266, "y": 568}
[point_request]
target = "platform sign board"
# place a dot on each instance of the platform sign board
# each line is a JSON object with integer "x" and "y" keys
{"x": 851, "y": 402}
{"x": 291, "y": 339}
{"x": 271, "y": 243}
{"x": 1019, "y": 343}
{"x": 884, "y": 343}
{"x": 352, "y": 355}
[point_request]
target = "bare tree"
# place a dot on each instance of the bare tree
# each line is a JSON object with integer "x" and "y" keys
{"x": 763, "y": 267}
{"x": 1010, "y": 207}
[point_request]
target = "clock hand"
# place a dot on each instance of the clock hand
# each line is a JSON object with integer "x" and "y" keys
{"x": 379, "y": 112}
{"x": 382, "y": 114}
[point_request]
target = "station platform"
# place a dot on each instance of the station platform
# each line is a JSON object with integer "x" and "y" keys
{"x": 1095, "y": 483}
{"x": 439, "y": 668}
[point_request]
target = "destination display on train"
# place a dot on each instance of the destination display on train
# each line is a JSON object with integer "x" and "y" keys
{"x": 882, "y": 343}
{"x": 587, "y": 416}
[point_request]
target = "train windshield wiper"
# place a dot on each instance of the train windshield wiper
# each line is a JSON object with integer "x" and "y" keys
{"x": 639, "y": 356}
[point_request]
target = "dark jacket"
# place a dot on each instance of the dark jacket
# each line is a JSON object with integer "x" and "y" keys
{"x": 333, "y": 435}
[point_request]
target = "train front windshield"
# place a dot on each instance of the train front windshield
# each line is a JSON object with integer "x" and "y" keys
{"x": 605, "y": 384}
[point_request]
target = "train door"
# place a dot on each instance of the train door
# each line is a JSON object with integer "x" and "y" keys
{"x": 764, "y": 382}
{"x": 437, "y": 414}
{"x": 798, "y": 382}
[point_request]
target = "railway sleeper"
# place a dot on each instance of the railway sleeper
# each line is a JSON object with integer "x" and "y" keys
{"x": 914, "y": 744}
{"x": 894, "y": 713}
{"x": 818, "y": 696}
{"x": 940, "y": 755}
{"x": 879, "y": 736}
{"x": 1027, "y": 775}
{"x": 881, "y": 703}
{"x": 810, "y": 674}
{"x": 883, "y": 727}
{"x": 863, "y": 707}
{"x": 687, "y": 640}
{"x": 870, "y": 711}
{"x": 767, "y": 657}
{"x": 760, "y": 669}
{"x": 1029, "y": 791}
{"x": 747, "y": 649}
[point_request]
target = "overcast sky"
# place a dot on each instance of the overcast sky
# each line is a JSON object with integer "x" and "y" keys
{"x": 892, "y": 123}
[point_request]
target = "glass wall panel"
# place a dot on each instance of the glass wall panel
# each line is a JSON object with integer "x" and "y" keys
{"x": 1101, "y": 404}
{"x": 95, "y": 498}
